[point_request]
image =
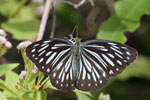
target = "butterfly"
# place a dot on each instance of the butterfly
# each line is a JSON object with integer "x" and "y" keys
{"x": 87, "y": 66}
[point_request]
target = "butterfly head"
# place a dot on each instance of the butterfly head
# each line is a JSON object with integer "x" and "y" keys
{"x": 74, "y": 40}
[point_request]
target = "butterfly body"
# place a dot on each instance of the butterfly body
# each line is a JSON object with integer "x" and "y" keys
{"x": 86, "y": 66}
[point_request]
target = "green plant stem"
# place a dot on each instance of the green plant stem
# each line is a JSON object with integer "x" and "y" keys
{"x": 44, "y": 81}
{"x": 21, "y": 4}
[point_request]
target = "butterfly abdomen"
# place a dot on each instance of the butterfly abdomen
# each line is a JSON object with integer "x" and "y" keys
{"x": 75, "y": 63}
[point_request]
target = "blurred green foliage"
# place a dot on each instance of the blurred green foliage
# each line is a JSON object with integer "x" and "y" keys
{"x": 23, "y": 24}
{"x": 22, "y": 21}
{"x": 126, "y": 17}
{"x": 69, "y": 17}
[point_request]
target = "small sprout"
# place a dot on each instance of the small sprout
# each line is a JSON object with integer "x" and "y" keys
{"x": 2, "y": 40}
{"x": 23, "y": 45}
{"x": 2, "y": 33}
{"x": 8, "y": 44}
{"x": 34, "y": 70}
{"x": 23, "y": 74}
{"x": 4, "y": 45}
{"x": 104, "y": 97}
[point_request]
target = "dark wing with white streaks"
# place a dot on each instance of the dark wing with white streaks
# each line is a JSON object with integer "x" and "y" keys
{"x": 101, "y": 59}
{"x": 53, "y": 57}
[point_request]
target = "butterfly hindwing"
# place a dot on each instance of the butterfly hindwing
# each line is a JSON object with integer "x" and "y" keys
{"x": 91, "y": 75}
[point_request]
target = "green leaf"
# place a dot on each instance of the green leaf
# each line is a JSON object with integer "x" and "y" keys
{"x": 130, "y": 12}
{"x": 125, "y": 18}
{"x": 22, "y": 29}
{"x": 22, "y": 23}
{"x": 28, "y": 96}
{"x": 41, "y": 95}
{"x": 81, "y": 96}
{"x": 12, "y": 98}
{"x": 2, "y": 96}
{"x": 7, "y": 7}
{"x": 11, "y": 79}
{"x": 7, "y": 67}
{"x": 4, "y": 86}
{"x": 112, "y": 29}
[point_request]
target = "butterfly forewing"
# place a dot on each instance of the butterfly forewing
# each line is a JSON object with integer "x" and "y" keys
{"x": 53, "y": 57}
{"x": 112, "y": 57}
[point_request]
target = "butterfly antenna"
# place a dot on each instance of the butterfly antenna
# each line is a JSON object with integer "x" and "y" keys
{"x": 75, "y": 30}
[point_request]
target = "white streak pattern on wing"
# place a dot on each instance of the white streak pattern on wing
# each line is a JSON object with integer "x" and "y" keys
{"x": 94, "y": 62}
{"x": 96, "y": 73}
{"x": 94, "y": 46}
{"x": 43, "y": 48}
{"x": 47, "y": 54}
{"x": 36, "y": 45}
{"x": 67, "y": 76}
{"x": 87, "y": 64}
{"x": 42, "y": 52}
{"x": 47, "y": 41}
{"x": 71, "y": 73}
{"x": 97, "y": 57}
{"x": 93, "y": 75}
{"x": 83, "y": 73}
{"x": 58, "y": 66}
{"x": 63, "y": 76}
{"x": 68, "y": 63}
{"x": 116, "y": 50}
{"x": 41, "y": 60}
{"x": 33, "y": 50}
{"x": 108, "y": 60}
{"x": 59, "y": 55}
{"x": 124, "y": 48}
{"x": 98, "y": 47}
{"x": 119, "y": 62}
{"x": 116, "y": 47}
{"x": 81, "y": 66}
{"x": 60, "y": 73}
{"x": 118, "y": 55}
{"x": 111, "y": 43}
{"x": 110, "y": 55}
{"x": 128, "y": 53}
{"x": 51, "y": 57}
{"x": 104, "y": 49}
{"x": 94, "y": 70}
{"x": 43, "y": 44}
{"x": 61, "y": 45}
{"x": 54, "y": 48}
{"x": 88, "y": 76}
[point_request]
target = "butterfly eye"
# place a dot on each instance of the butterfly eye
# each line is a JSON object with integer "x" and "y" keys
{"x": 86, "y": 66}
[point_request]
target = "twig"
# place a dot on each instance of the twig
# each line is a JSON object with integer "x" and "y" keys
{"x": 75, "y": 5}
{"x": 92, "y": 2}
{"x": 53, "y": 23}
{"x": 48, "y": 7}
